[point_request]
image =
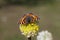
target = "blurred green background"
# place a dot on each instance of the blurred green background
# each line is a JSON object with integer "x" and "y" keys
{"x": 12, "y": 10}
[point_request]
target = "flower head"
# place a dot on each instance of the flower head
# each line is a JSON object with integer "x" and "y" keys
{"x": 44, "y": 35}
{"x": 29, "y": 30}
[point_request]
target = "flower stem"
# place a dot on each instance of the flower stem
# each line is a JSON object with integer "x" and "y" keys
{"x": 29, "y": 38}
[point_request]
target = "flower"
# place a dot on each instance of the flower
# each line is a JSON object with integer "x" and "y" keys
{"x": 44, "y": 35}
{"x": 29, "y": 30}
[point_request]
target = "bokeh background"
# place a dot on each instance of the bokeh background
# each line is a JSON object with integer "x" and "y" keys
{"x": 12, "y": 10}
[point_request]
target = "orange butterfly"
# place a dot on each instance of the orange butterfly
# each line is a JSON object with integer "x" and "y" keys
{"x": 28, "y": 18}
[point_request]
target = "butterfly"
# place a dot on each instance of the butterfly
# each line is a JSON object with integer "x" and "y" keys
{"x": 28, "y": 18}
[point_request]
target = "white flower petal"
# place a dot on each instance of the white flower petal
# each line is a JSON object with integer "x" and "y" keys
{"x": 44, "y": 35}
